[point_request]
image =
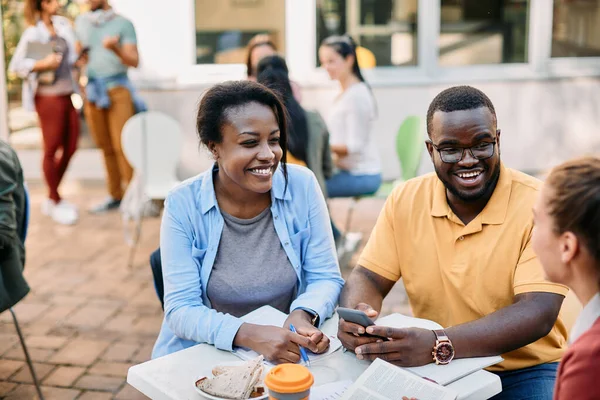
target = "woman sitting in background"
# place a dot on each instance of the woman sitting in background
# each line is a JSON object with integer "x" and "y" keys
{"x": 350, "y": 123}
{"x": 308, "y": 138}
{"x": 566, "y": 238}
{"x": 250, "y": 231}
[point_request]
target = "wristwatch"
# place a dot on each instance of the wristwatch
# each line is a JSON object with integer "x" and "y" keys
{"x": 315, "y": 320}
{"x": 314, "y": 316}
{"x": 443, "y": 351}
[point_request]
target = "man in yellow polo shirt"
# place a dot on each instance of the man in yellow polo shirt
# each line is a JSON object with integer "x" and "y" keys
{"x": 461, "y": 241}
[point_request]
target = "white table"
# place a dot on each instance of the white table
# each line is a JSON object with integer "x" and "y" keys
{"x": 172, "y": 377}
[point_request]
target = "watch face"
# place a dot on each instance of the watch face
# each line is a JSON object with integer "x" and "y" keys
{"x": 444, "y": 353}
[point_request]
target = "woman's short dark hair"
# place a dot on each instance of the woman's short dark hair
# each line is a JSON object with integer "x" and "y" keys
{"x": 218, "y": 102}
{"x": 272, "y": 71}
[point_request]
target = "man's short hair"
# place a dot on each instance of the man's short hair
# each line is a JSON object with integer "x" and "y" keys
{"x": 458, "y": 98}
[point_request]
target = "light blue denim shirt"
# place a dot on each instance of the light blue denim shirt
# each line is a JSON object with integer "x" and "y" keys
{"x": 189, "y": 238}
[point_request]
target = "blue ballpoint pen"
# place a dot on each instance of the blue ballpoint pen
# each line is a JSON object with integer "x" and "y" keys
{"x": 302, "y": 351}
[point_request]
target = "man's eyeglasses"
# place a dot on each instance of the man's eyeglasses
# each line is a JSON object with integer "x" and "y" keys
{"x": 452, "y": 155}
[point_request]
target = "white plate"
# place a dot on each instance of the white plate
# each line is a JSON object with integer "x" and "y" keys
{"x": 229, "y": 364}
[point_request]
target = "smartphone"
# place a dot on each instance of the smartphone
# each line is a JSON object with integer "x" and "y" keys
{"x": 355, "y": 316}
{"x": 358, "y": 317}
{"x": 84, "y": 51}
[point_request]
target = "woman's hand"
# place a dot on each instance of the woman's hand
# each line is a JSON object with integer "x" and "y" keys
{"x": 49, "y": 63}
{"x": 302, "y": 322}
{"x": 340, "y": 150}
{"x": 278, "y": 345}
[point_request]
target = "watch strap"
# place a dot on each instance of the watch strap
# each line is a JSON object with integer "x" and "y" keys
{"x": 440, "y": 335}
{"x": 315, "y": 316}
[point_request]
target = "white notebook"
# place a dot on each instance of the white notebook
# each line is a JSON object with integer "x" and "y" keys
{"x": 267, "y": 315}
{"x": 441, "y": 374}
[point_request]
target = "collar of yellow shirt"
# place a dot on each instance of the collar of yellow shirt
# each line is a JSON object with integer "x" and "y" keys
{"x": 494, "y": 212}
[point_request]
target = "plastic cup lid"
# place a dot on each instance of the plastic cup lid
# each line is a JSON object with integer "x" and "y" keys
{"x": 289, "y": 378}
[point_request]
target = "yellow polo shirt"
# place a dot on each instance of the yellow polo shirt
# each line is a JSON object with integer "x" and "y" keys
{"x": 455, "y": 273}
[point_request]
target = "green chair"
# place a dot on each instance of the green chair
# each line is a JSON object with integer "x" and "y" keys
{"x": 409, "y": 146}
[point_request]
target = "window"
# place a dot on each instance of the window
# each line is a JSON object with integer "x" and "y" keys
{"x": 483, "y": 32}
{"x": 575, "y": 28}
{"x": 385, "y": 28}
{"x": 224, "y": 27}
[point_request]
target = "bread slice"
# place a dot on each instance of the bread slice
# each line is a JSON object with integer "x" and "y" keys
{"x": 233, "y": 382}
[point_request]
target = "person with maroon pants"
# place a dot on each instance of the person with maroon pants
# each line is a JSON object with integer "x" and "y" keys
{"x": 47, "y": 89}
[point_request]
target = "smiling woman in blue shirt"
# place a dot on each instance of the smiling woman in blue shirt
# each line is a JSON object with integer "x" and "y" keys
{"x": 249, "y": 232}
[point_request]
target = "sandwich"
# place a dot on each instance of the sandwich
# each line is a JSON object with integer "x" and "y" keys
{"x": 235, "y": 382}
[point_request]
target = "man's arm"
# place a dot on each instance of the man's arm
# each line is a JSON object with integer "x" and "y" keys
{"x": 529, "y": 318}
{"x": 365, "y": 286}
{"x": 124, "y": 45}
{"x": 127, "y": 52}
{"x": 365, "y": 291}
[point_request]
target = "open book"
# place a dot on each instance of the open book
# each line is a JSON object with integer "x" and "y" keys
{"x": 267, "y": 315}
{"x": 384, "y": 381}
{"x": 441, "y": 374}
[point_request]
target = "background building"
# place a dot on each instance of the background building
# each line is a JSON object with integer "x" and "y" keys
{"x": 538, "y": 60}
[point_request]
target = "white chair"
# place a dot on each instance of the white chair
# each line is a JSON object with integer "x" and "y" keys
{"x": 152, "y": 143}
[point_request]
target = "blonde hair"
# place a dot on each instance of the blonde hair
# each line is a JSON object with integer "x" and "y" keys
{"x": 32, "y": 10}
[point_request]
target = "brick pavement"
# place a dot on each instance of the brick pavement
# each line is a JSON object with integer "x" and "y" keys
{"x": 88, "y": 316}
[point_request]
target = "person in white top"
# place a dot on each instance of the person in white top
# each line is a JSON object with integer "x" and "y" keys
{"x": 350, "y": 123}
{"x": 48, "y": 84}
{"x": 566, "y": 238}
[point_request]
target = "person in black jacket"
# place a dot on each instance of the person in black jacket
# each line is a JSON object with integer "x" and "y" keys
{"x": 13, "y": 226}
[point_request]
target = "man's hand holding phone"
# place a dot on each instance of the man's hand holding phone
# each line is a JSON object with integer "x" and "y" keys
{"x": 352, "y": 325}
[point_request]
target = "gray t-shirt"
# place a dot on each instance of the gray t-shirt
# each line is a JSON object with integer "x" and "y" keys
{"x": 63, "y": 82}
{"x": 251, "y": 268}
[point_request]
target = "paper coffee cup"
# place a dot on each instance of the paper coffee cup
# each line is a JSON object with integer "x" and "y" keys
{"x": 289, "y": 382}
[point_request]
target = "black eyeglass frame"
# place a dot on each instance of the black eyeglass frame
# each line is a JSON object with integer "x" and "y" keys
{"x": 462, "y": 154}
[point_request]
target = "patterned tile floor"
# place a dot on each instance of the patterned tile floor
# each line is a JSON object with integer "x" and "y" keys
{"x": 89, "y": 317}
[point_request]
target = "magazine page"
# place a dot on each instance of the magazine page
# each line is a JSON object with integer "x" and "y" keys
{"x": 384, "y": 381}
